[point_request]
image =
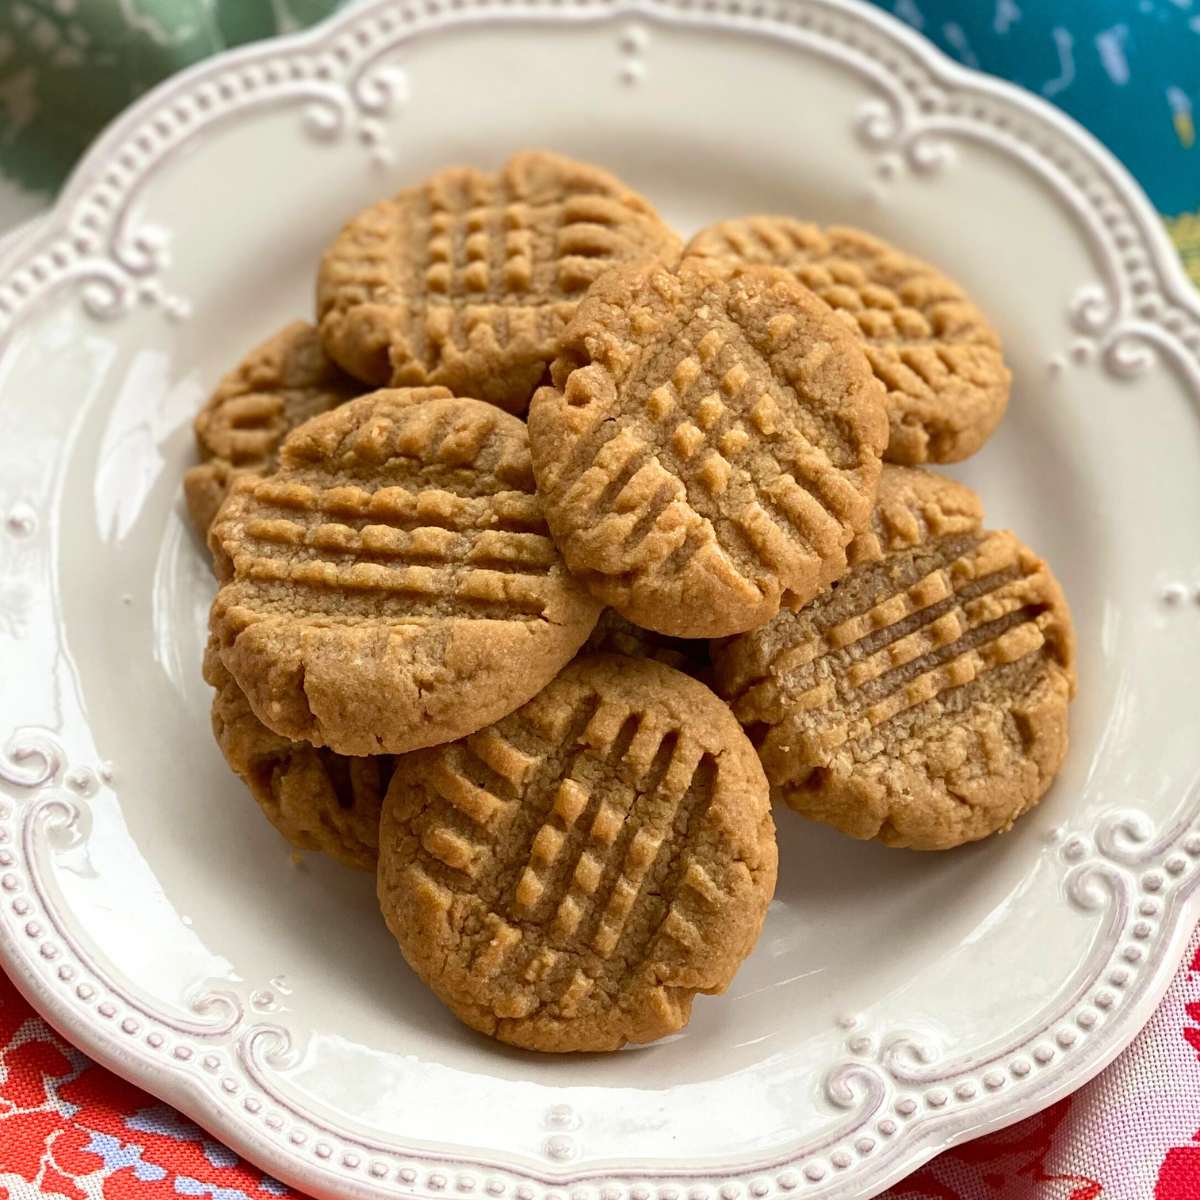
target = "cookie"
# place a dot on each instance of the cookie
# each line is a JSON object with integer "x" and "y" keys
{"x": 317, "y": 799}
{"x": 615, "y": 635}
{"x": 280, "y": 383}
{"x": 468, "y": 279}
{"x": 923, "y": 700}
{"x": 711, "y": 442}
{"x": 571, "y": 877}
{"x": 393, "y": 585}
{"x": 936, "y": 353}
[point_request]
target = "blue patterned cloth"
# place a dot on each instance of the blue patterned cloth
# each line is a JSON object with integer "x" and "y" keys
{"x": 1129, "y": 70}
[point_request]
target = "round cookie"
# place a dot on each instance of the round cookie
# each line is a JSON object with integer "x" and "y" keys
{"x": 571, "y": 877}
{"x": 615, "y": 635}
{"x": 280, "y": 383}
{"x": 923, "y": 700}
{"x": 468, "y": 279}
{"x": 935, "y": 352}
{"x": 711, "y": 442}
{"x": 317, "y": 799}
{"x": 393, "y": 585}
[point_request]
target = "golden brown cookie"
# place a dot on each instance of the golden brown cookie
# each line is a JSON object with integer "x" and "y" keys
{"x": 468, "y": 279}
{"x": 393, "y": 585}
{"x": 317, "y": 799}
{"x": 615, "y": 635}
{"x": 935, "y": 352}
{"x": 711, "y": 442}
{"x": 923, "y": 700}
{"x": 570, "y": 878}
{"x": 280, "y": 383}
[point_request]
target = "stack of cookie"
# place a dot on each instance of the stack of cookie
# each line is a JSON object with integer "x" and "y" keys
{"x": 545, "y": 676}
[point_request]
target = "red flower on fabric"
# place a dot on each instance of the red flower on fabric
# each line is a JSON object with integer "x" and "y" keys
{"x": 1179, "y": 1176}
{"x": 28, "y": 1067}
{"x": 64, "y": 1120}
{"x": 1016, "y": 1153}
{"x": 24, "y": 1137}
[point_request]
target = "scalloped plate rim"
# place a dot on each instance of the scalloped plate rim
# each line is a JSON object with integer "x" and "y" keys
{"x": 939, "y": 62}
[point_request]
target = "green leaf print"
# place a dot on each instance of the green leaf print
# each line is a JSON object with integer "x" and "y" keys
{"x": 246, "y": 20}
{"x": 67, "y": 67}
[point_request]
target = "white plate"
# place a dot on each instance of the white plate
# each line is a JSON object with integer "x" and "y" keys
{"x": 897, "y": 1002}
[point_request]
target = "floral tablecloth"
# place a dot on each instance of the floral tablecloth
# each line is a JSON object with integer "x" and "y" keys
{"x": 71, "y": 1130}
{"x": 1130, "y": 70}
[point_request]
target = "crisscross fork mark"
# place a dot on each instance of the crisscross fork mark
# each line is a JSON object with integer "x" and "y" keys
{"x": 650, "y": 822}
{"x": 685, "y": 431}
{"x": 479, "y": 780}
{"x": 561, "y": 869}
{"x": 681, "y": 870}
{"x": 988, "y": 622}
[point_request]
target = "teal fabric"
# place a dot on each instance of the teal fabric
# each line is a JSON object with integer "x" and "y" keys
{"x": 1127, "y": 69}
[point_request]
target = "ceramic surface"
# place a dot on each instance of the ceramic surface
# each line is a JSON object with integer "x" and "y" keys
{"x": 897, "y": 1002}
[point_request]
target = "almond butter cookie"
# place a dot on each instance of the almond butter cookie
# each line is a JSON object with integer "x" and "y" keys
{"x": 936, "y": 353}
{"x": 571, "y": 877}
{"x": 397, "y": 555}
{"x": 317, "y": 799}
{"x": 710, "y": 443}
{"x": 468, "y": 279}
{"x": 923, "y": 700}
{"x": 280, "y": 383}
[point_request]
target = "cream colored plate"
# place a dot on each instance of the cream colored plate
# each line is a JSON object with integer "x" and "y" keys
{"x": 897, "y": 1003}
